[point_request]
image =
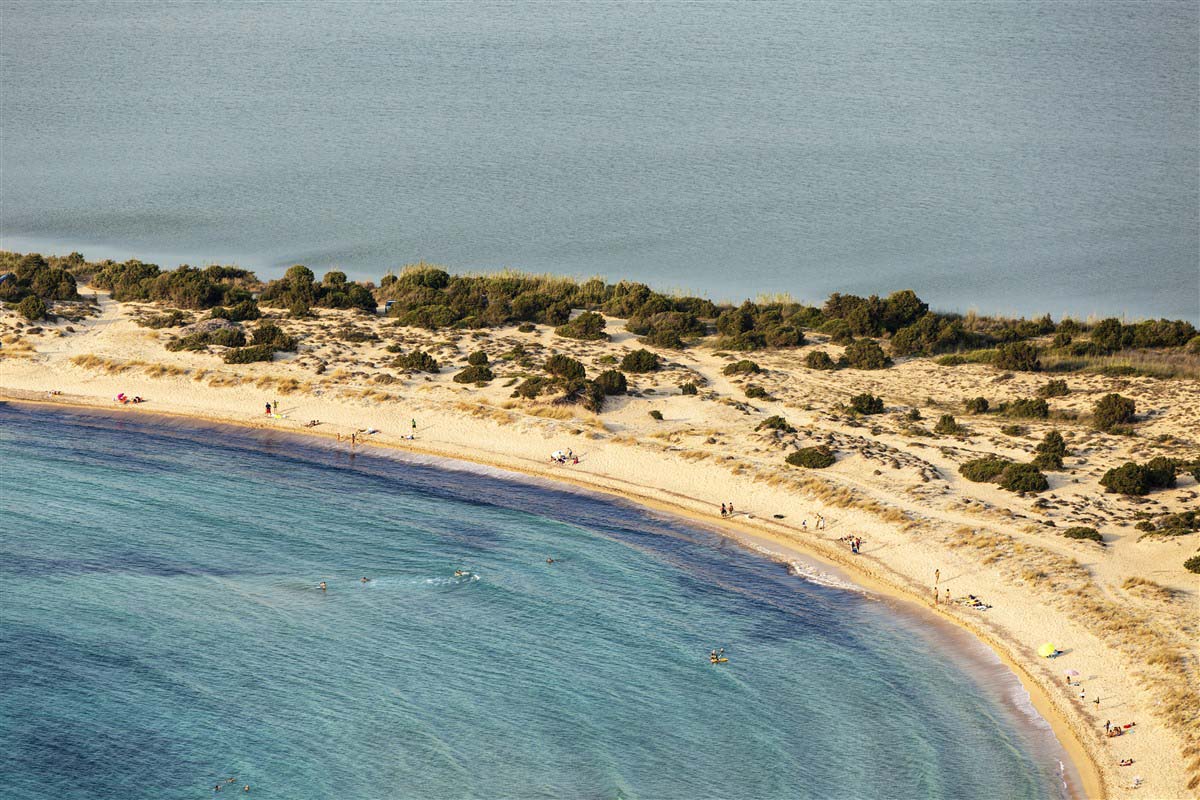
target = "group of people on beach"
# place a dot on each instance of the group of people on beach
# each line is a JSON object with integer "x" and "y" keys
{"x": 855, "y": 543}
{"x": 125, "y": 399}
{"x": 819, "y": 525}
{"x": 727, "y": 509}
{"x": 564, "y": 457}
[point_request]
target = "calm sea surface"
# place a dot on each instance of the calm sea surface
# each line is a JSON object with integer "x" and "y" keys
{"x": 162, "y": 629}
{"x": 1009, "y": 156}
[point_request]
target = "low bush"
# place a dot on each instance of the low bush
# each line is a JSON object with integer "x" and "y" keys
{"x": 1017, "y": 356}
{"x": 478, "y": 359}
{"x": 268, "y": 334}
{"x": 1026, "y": 408}
{"x": 1054, "y": 388}
{"x": 1050, "y": 452}
{"x": 32, "y": 308}
{"x": 1111, "y": 411}
{"x": 743, "y": 367}
{"x": 564, "y": 367}
{"x": 527, "y": 327}
{"x": 866, "y": 403}
{"x": 818, "y": 457}
{"x": 757, "y": 393}
{"x": 640, "y": 361}
{"x": 984, "y": 470}
{"x": 1160, "y": 473}
{"x": 1193, "y": 564}
{"x": 1128, "y": 479}
{"x": 656, "y": 414}
{"x": 1014, "y": 430}
{"x": 475, "y": 373}
{"x": 1023, "y": 478}
{"x": 223, "y": 337}
{"x": 819, "y": 359}
{"x": 612, "y": 382}
{"x": 948, "y": 426}
{"x": 775, "y": 423}
{"x": 688, "y": 388}
{"x": 1083, "y": 532}
{"x": 171, "y": 319}
{"x": 865, "y": 354}
{"x": 977, "y": 405}
{"x": 532, "y": 387}
{"x": 417, "y": 361}
{"x": 238, "y": 312}
{"x": 588, "y": 326}
{"x": 249, "y": 355}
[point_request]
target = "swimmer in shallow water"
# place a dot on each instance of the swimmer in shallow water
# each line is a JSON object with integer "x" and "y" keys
{"x": 365, "y": 579}
{"x": 549, "y": 560}
{"x": 321, "y": 586}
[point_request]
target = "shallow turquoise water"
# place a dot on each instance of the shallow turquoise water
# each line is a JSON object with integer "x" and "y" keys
{"x": 1012, "y": 156}
{"x": 162, "y": 629}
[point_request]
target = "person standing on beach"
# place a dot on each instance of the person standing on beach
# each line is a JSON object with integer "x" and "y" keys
{"x": 275, "y": 407}
{"x": 731, "y": 508}
{"x": 1107, "y": 725}
{"x": 820, "y": 522}
{"x": 723, "y": 511}
{"x": 414, "y": 428}
{"x": 937, "y": 576}
{"x": 268, "y": 409}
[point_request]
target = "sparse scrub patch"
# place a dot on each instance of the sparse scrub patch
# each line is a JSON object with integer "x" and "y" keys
{"x": 811, "y": 457}
{"x": 1083, "y": 532}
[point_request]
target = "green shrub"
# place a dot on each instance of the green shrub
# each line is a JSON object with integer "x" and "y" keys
{"x": 1026, "y": 408}
{"x": 1127, "y": 479}
{"x": 775, "y": 423}
{"x": 743, "y": 367}
{"x": 866, "y": 354}
{"x": 238, "y": 312}
{"x": 1054, "y": 388}
{"x": 475, "y": 373}
{"x": 1083, "y": 532}
{"x": 819, "y": 359}
{"x": 1019, "y": 356}
{"x": 1013, "y": 430}
{"x": 1112, "y": 410}
{"x": 564, "y": 367}
{"x": 948, "y": 426}
{"x": 1023, "y": 478}
{"x": 1192, "y": 564}
{"x": 984, "y": 470}
{"x": 757, "y": 393}
{"x": 172, "y": 319}
{"x": 416, "y": 361}
{"x": 248, "y": 355}
{"x": 1160, "y": 473}
{"x": 866, "y": 403}
{"x": 527, "y": 327}
{"x": 532, "y": 387}
{"x": 588, "y": 326}
{"x": 818, "y": 457}
{"x": 32, "y": 308}
{"x": 639, "y": 361}
{"x": 977, "y": 405}
{"x": 1048, "y": 462}
{"x": 656, "y": 414}
{"x": 1050, "y": 452}
{"x": 612, "y": 382}
{"x": 688, "y": 388}
{"x": 478, "y": 359}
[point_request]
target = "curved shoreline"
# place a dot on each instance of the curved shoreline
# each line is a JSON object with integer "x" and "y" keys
{"x": 893, "y": 586}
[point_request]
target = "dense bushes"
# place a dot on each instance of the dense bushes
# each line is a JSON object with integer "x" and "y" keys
{"x": 812, "y": 457}
{"x": 588, "y": 326}
{"x": 1023, "y": 478}
{"x": 416, "y": 361}
{"x": 32, "y": 276}
{"x": 1193, "y": 564}
{"x": 640, "y": 361}
{"x": 32, "y": 308}
{"x": 1160, "y": 473}
{"x": 249, "y": 355}
{"x": 612, "y": 382}
{"x": 1109, "y": 335}
{"x": 984, "y": 470}
{"x": 1083, "y": 532}
{"x": 1020, "y": 356}
{"x": 478, "y": 359}
{"x": 819, "y": 359}
{"x": 223, "y": 337}
{"x": 977, "y": 405}
{"x": 185, "y": 287}
{"x": 757, "y": 393}
{"x": 565, "y": 367}
{"x": 239, "y": 312}
{"x": 865, "y": 354}
{"x": 1112, "y": 410}
{"x": 298, "y": 288}
{"x": 474, "y": 373}
{"x": 665, "y": 328}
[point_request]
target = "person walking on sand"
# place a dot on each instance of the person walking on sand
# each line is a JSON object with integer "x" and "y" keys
{"x": 731, "y": 508}
{"x": 723, "y": 511}
{"x": 268, "y": 409}
{"x": 275, "y": 407}
{"x": 937, "y": 576}
{"x": 414, "y": 427}
{"x": 820, "y": 522}
{"x": 1107, "y": 725}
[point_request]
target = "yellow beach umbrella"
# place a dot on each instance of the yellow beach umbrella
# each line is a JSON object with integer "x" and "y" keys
{"x": 1047, "y": 650}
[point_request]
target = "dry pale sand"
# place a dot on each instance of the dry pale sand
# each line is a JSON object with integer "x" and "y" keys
{"x": 1134, "y": 643}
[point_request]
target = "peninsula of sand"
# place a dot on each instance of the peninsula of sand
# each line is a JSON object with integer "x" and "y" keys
{"x": 992, "y": 496}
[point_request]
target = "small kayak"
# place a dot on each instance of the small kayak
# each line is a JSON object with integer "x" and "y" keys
{"x": 718, "y": 660}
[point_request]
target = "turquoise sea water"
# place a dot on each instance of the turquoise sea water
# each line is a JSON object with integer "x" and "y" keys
{"x": 162, "y": 629}
{"x": 1012, "y": 156}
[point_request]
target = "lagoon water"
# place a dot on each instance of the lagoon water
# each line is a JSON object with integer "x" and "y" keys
{"x": 1009, "y": 156}
{"x": 162, "y": 629}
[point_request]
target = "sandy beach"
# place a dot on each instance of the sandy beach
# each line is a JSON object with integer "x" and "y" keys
{"x": 1123, "y": 613}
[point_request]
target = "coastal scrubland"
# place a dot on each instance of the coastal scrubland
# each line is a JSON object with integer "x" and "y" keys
{"x": 1050, "y": 467}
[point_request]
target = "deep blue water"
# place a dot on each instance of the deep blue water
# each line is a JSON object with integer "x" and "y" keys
{"x": 1006, "y": 155}
{"x": 161, "y": 630}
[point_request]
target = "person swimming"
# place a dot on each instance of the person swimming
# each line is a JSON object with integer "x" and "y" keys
{"x": 461, "y": 573}
{"x": 549, "y": 560}
{"x": 365, "y": 579}
{"x": 321, "y": 586}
